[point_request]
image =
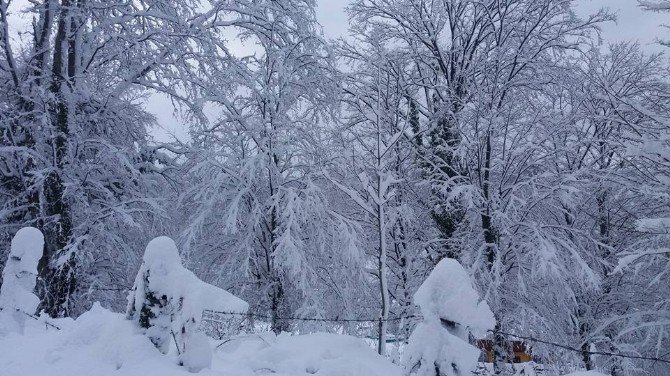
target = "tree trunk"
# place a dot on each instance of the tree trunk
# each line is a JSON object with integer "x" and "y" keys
{"x": 490, "y": 235}
{"x": 500, "y": 352}
{"x": 381, "y": 236}
{"x": 57, "y": 266}
{"x": 278, "y": 323}
{"x": 383, "y": 278}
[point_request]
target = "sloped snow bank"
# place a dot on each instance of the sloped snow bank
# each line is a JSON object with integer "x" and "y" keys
{"x": 103, "y": 343}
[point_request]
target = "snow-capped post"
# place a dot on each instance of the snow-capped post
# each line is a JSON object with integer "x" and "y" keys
{"x": 168, "y": 301}
{"x": 451, "y": 311}
{"x": 17, "y": 301}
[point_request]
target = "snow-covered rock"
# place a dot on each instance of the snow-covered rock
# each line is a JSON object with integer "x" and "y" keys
{"x": 168, "y": 301}
{"x": 17, "y": 300}
{"x": 451, "y": 311}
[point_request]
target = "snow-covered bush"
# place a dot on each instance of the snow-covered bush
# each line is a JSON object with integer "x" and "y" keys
{"x": 451, "y": 311}
{"x": 17, "y": 300}
{"x": 168, "y": 301}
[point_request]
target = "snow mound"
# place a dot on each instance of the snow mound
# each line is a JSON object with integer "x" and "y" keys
{"x": 162, "y": 251}
{"x": 99, "y": 342}
{"x": 430, "y": 341}
{"x": 452, "y": 313}
{"x": 169, "y": 277}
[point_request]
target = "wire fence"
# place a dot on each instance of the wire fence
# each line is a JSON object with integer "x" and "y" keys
{"x": 308, "y": 319}
{"x": 504, "y": 334}
{"x": 245, "y": 316}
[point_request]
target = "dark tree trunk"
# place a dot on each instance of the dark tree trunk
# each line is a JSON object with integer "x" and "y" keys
{"x": 57, "y": 266}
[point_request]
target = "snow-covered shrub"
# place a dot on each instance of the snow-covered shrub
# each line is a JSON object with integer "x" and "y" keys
{"x": 168, "y": 301}
{"x": 452, "y": 311}
{"x": 17, "y": 300}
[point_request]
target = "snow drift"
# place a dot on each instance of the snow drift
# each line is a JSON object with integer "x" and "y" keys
{"x": 103, "y": 343}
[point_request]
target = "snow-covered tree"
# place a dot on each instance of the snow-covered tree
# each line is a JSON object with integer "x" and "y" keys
{"x": 168, "y": 301}
{"x": 256, "y": 204}
{"x": 452, "y": 313}
{"x": 479, "y": 67}
{"x": 655, "y": 5}
{"x": 75, "y": 158}
{"x": 17, "y": 298}
{"x": 373, "y": 168}
{"x": 593, "y": 136}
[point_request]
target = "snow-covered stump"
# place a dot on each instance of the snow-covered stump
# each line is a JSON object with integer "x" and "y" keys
{"x": 168, "y": 301}
{"x": 19, "y": 276}
{"x": 451, "y": 311}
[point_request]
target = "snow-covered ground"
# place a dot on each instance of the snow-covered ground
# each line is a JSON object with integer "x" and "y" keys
{"x": 586, "y": 373}
{"x": 104, "y": 343}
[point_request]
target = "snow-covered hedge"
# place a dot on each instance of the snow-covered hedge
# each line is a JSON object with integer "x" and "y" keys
{"x": 17, "y": 300}
{"x": 168, "y": 301}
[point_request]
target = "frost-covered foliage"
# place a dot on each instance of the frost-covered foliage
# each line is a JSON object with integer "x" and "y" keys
{"x": 528, "y": 155}
{"x": 17, "y": 298}
{"x": 168, "y": 301}
{"x": 75, "y": 158}
{"x": 259, "y": 214}
{"x": 372, "y": 167}
{"x": 606, "y": 171}
{"x": 452, "y": 313}
{"x": 655, "y": 5}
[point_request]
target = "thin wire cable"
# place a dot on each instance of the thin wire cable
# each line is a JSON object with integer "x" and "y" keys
{"x": 313, "y": 319}
{"x": 528, "y": 338}
{"x": 570, "y": 348}
{"x": 36, "y": 318}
